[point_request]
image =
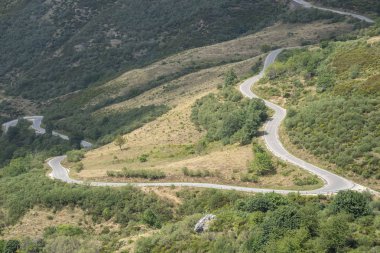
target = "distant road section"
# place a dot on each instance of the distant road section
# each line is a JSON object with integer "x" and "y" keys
{"x": 36, "y": 126}
{"x": 357, "y": 16}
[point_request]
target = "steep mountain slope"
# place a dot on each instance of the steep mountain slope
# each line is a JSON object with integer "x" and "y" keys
{"x": 51, "y": 48}
{"x": 78, "y": 112}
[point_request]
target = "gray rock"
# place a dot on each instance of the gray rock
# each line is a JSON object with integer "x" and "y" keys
{"x": 202, "y": 224}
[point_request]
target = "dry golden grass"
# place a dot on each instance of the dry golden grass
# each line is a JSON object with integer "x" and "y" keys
{"x": 37, "y": 219}
{"x": 129, "y": 243}
{"x": 374, "y": 40}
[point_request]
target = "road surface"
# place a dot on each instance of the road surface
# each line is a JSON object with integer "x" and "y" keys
{"x": 333, "y": 182}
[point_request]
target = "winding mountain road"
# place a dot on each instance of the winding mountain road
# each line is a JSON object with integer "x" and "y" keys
{"x": 354, "y": 15}
{"x": 333, "y": 182}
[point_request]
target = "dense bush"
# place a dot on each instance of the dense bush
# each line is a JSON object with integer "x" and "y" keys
{"x": 353, "y": 203}
{"x": 262, "y": 202}
{"x": 75, "y": 155}
{"x": 341, "y": 130}
{"x": 262, "y": 163}
{"x": 229, "y": 117}
{"x": 196, "y": 173}
{"x": 309, "y": 180}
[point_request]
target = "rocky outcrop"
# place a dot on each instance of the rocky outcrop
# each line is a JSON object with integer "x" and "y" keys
{"x": 203, "y": 224}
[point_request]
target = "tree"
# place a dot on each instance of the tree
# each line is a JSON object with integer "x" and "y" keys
{"x": 352, "y": 202}
{"x": 262, "y": 163}
{"x": 231, "y": 78}
{"x": 265, "y": 48}
{"x": 76, "y": 139}
{"x": 334, "y": 233}
{"x": 49, "y": 128}
{"x": 150, "y": 218}
{"x": 120, "y": 141}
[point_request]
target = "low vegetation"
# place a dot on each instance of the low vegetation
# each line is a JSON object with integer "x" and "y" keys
{"x": 342, "y": 131}
{"x": 23, "y": 190}
{"x": 262, "y": 163}
{"x": 75, "y": 155}
{"x": 266, "y": 222}
{"x": 197, "y": 173}
{"x": 227, "y": 116}
{"x": 104, "y": 127}
{"x": 136, "y": 173}
{"x": 332, "y": 92}
{"x": 271, "y": 223}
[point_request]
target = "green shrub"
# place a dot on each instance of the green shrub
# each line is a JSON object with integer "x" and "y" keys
{"x": 78, "y": 167}
{"x": 196, "y": 173}
{"x": 309, "y": 180}
{"x": 143, "y": 158}
{"x": 262, "y": 163}
{"x": 340, "y": 130}
{"x": 229, "y": 118}
{"x": 230, "y": 78}
{"x": 249, "y": 178}
{"x": 262, "y": 202}
{"x": 11, "y": 246}
{"x": 65, "y": 230}
{"x": 355, "y": 203}
{"x": 75, "y": 155}
{"x": 137, "y": 173}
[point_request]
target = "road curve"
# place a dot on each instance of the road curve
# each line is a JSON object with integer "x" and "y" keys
{"x": 333, "y": 183}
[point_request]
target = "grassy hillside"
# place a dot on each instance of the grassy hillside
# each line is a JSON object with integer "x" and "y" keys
{"x": 163, "y": 83}
{"x": 64, "y": 46}
{"x": 333, "y": 93}
{"x": 173, "y": 145}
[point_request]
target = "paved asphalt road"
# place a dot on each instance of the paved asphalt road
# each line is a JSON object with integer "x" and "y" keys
{"x": 333, "y": 183}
